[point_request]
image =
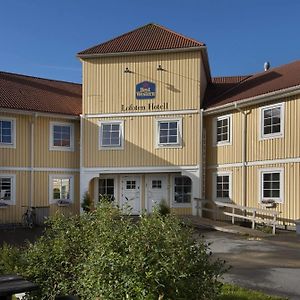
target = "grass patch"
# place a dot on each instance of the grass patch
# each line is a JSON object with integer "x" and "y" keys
{"x": 233, "y": 292}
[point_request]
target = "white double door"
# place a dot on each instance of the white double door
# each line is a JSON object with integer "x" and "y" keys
{"x": 156, "y": 191}
{"x": 131, "y": 193}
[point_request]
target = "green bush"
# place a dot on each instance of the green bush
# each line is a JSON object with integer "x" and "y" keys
{"x": 104, "y": 255}
{"x": 163, "y": 208}
{"x": 86, "y": 202}
{"x": 10, "y": 259}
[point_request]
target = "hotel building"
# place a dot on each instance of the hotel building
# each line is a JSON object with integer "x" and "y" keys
{"x": 150, "y": 124}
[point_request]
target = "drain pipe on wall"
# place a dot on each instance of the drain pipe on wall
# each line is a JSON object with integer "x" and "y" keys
{"x": 244, "y": 153}
{"x": 32, "y": 123}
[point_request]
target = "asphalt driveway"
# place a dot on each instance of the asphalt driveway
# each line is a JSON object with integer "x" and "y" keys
{"x": 271, "y": 265}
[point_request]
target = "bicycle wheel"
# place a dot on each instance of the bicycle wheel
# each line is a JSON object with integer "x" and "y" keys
{"x": 25, "y": 220}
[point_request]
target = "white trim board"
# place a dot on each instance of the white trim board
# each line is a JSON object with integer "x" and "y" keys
{"x": 38, "y": 169}
{"x": 150, "y": 113}
{"x": 256, "y": 163}
{"x": 129, "y": 170}
{"x": 38, "y": 114}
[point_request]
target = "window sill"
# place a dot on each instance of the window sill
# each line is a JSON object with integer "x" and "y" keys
{"x": 4, "y": 205}
{"x": 13, "y": 146}
{"x": 68, "y": 149}
{"x": 271, "y": 137}
{"x": 63, "y": 203}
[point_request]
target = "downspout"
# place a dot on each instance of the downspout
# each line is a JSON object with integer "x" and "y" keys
{"x": 32, "y": 123}
{"x": 244, "y": 153}
{"x": 201, "y": 171}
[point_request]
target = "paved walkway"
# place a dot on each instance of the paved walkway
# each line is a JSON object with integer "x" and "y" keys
{"x": 223, "y": 226}
{"x": 271, "y": 264}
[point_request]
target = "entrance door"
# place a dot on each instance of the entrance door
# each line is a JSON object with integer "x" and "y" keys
{"x": 156, "y": 190}
{"x": 130, "y": 193}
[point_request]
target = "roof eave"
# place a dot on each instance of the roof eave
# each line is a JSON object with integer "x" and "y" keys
{"x": 82, "y": 56}
{"x": 287, "y": 92}
{"x": 39, "y": 113}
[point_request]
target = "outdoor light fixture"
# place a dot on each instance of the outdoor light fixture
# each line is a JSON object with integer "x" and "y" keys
{"x": 160, "y": 68}
{"x": 127, "y": 70}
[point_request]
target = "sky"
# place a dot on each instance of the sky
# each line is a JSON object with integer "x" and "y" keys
{"x": 41, "y": 38}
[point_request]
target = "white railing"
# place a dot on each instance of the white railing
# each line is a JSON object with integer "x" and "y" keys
{"x": 253, "y": 214}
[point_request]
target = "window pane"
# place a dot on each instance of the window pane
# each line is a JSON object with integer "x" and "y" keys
{"x": 173, "y": 125}
{"x": 163, "y": 125}
{"x": 182, "y": 189}
{"x": 173, "y": 139}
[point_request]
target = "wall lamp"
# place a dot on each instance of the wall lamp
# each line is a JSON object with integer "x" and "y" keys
{"x": 127, "y": 70}
{"x": 160, "y": 68}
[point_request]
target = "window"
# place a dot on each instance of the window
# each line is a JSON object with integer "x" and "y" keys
{"x": 272, "y": 121}
{"x": 111, "y": 135}
{"x": 182, "y": 190}
{"x": 222, "y": 130}
{"x": 130, "y": 184}
{"x": 106, "y": 188}
{"x": 7, "y": 189}
{"x": 223, "y": 187}
{"x": 156, "y": 184}
{"x": 272, "y": 185}
{"x": 7, "y": 132}
{"x": 168, "y": 133}
{"x": 61, "y": 189}
{"x": 61, "y": 136}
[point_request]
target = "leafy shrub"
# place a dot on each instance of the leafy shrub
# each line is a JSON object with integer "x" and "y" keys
{"x": 86, "y": 202}
{"x": 163, "y": 208}
{"x": 104, "y": 255}
{"x": 10, "y": 259}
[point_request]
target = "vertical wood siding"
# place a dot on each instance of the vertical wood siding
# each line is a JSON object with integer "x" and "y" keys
{"x": 257, "y": 149}
{"x": 13, "y": 213}
{"x": 139, "y": 144}
{"x": 106, "y": 87}
{"x": 44, "y": 158}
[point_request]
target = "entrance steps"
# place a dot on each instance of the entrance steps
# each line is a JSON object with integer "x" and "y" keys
{"x": 199, "y": 222}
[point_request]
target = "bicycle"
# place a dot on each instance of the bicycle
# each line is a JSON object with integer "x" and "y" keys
{"x": 29, "y": 217}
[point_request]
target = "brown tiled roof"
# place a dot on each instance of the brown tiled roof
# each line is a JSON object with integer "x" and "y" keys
{"x": 230, "y": 89}
{"x": 37, "y": 94}
{"x": 146, "y": 38}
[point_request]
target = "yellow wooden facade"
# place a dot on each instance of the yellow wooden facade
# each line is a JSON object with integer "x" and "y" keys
{"x": 32, "y": 168}
{"x": 279, "y": 153}
{"x": 109, "y": 95}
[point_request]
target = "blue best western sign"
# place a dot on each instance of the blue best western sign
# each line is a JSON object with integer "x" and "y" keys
{"x": 145, "y": 90}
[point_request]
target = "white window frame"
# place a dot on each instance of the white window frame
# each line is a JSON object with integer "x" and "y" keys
{"x": 12, "y": 201}
{"x": 61, "y": 176}
{"x": 52, "y": 147}
{"x": 261, "y": 122}
{"x": 281, "y": 187}
{"x": 108, "y": 122}
{"x": 179, "y": 133}
{"x": 215, "y": 136}
{"x": 215, "y": 175}
{"x": 172, "y": 194}
{"x": 13, "y": 138}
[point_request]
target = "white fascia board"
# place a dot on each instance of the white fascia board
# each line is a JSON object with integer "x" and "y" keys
{"x": 83, "y": 56}
{"x": 291, "y": 91}
{"x": 38, "y": 114}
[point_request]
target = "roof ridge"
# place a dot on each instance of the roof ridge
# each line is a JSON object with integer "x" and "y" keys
{"x": 42, "y": 78}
